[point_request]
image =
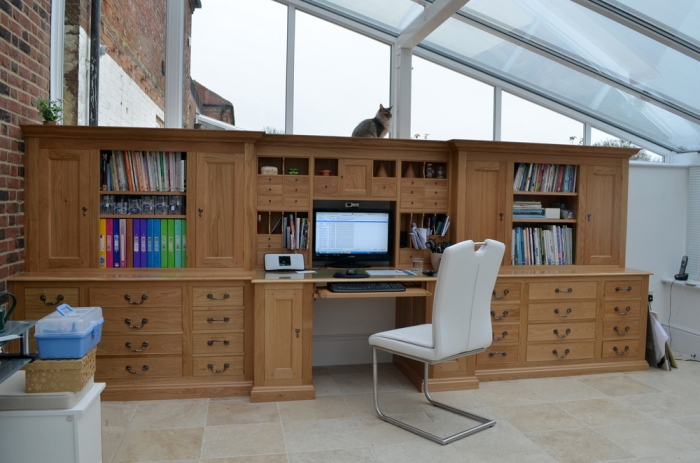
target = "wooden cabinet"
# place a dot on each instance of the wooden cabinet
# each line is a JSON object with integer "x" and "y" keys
{"x": 355, "y": 178}
{"x": 603, "y": 215}
{"x": 484, "y": 206}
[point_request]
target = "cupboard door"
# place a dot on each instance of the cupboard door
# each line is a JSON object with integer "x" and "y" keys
{"x": 355, "y": 177}
{"x": 283, "y": 334}
{"x": 602, "y": 217}
{"x": 64, "y": 218}
{"x": 219, "y": 210}
{"x": 485, "y": 205}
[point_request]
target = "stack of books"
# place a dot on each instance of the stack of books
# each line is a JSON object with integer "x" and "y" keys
{"x": 143, "y": 243}
{"x": 143, "y": 171}
{"x": 546, "y": 178}
{"x": 438, "y": 225}
{"x": 552, "y": 245}
{"x": 528, "y": 210}
{"x": 296, "y": 232}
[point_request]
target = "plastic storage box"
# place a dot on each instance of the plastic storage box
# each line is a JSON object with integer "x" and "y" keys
{"x": 69, "y": 333}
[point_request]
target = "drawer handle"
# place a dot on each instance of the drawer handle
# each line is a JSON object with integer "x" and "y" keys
{"x": 143, "y": 347}
{"x": 566, "y": 353}
{"x": 619, "y": 352}
{"x": 568, "y": 312}
{"x": 570, "y": 290}
{"x": 212, "y": 341}
{"x": 212, "y": 320}
{"x": 617, "y": 289}
{"x": 566, "y": 334}
{"x": 136, "y": 327}
{"x": 493, "y": 314}
{"x": 211, "y": 367}
{"x": 143, "y": 370}
{"x": 211, "y": 296}
{"x": 144, "y": 297}
{"x": 493, "y": 354}
{"x": 505, "y": 333}
{"x": 621, "y": 333}
{"x": 59, "y": 298}
{"x": 505, "y": 293}
{"x": 627, "y": 310}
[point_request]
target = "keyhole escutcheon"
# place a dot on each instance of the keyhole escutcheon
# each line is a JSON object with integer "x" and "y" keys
{"x": 297, "y": 331}
{"x": 200, "y": 211}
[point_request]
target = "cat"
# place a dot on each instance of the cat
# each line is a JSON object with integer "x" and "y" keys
{"x": 377, "y": 127}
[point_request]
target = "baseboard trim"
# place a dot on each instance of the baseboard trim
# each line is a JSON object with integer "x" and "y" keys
{"x": 282, "y": 393}
{"x": 126, "y": 392}
{"x": 560, "y": 370}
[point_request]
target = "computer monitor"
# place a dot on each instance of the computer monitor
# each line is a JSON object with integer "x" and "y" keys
{"x": 356, "y": 238}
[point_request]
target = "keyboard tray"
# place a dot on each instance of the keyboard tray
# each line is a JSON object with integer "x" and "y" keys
{"x": 367, "y": 287}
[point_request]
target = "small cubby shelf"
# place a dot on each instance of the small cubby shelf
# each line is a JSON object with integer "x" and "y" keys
{"x": 144, "y": 193}
{"x": 406, "y": 250}
{"x": 284, "y": 164}
{"x": 271, "y": 239}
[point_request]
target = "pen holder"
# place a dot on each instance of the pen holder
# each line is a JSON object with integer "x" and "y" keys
{"x": 435, "y": 258}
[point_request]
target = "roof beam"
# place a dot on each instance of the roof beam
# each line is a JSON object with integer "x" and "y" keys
{"x": 434, "y": 15}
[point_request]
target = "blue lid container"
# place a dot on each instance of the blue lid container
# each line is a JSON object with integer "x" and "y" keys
{"x": 69, "y": 333}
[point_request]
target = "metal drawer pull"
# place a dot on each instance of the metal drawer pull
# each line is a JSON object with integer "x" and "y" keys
{"x": 566, "y": 335}
{"x": 566, "y": 353}
{"x": 505, "y": 293}
{"x": 568, "y": 312}
{"x": 627, "y": 309}
{"x": 143, "y": 298}
{"x": 143, "y": 370}
{"x": 143, "y": 347}
{"x": 619, "y": 352}
{"x": 629, "y": 288}
{"x": 493, "y": 354}
{"x": 621, "y": 333}
{"x": 211, "y": 296}
{"x": 557, "y": 290}
{"x": 212, "y": 320}
{"x": 59, "y": 298}
{"x": 493, "y": 314}
{"x": 505, "y": 333}
{"x": 136, "y": 327}
{"x": 211, "y": 367}
{"x": 212, "y": 341}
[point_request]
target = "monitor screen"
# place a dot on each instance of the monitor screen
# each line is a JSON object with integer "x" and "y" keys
{"x": 356, "y": 235}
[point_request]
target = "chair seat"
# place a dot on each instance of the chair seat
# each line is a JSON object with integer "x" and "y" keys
{"x": 413, "y": 341}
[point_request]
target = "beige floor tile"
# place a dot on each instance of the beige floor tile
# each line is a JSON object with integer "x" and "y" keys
{"x": 578, "y": 446}
{"x": 361, "y": 369}
{"x": 601, "y": 412}
{"x": 645, "y": 439}
{"x": 243, "y": 439}
{"x": 357, "y": 384}
{"x": 379, "y": 432}
{"x": 661, "y": 405}
{"x": 323, "y": 408}
{"x": 363, "y": 455}
{"x": 666, "y": 381}
{"x": 618, "y": 385}
{"x": 504, "y": 393}
{"x": 690, "y": 435}
{"x": 111, "y": 438}
{"x": 325, "y": 385}
{"x": 225, "y": 412}
{"x": 688, "y": 457}
{"x": 141, "y": 445}
{"x": 561, "y": 389}
{"x": 458, "y": 399}
{"x": 539, "y": 417}
{"x": 404, "y": 383}
{"x": 692, "y": 423}
{"x": 277, "y": 458}
{"x": 117, "y": 414}
{"x": 390, "y": 402}
{"x": 420, "y": 452}
{"x": 452, "y": 423}
{"x": 172, "y": 461}
{"x": 163, "y": 414}
{"x": 317, "y": 435}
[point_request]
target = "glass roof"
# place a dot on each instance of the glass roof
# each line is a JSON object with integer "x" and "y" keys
{"x": 681, "y": 17}
{"x": 390, "y": 15}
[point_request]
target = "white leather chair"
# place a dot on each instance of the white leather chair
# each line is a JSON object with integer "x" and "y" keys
{"x": 461, "y": 323}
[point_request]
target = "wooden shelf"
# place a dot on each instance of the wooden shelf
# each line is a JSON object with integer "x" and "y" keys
{"x": 144, "y": 193}
{"x": 544, "y": 220}
{"x": 542, "y": 193}
{"x": 325, "y": 293}
{"x": 134, "y": 216}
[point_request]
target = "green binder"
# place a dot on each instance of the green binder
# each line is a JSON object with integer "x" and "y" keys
{"x": 171, "y": 243}
{"x": 163, "y": 227}
{"x": 178, "y": 243}
{"x": 184, "y": 243}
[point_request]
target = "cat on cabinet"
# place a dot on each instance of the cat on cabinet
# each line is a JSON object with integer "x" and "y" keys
{"x": 377, "y": 127}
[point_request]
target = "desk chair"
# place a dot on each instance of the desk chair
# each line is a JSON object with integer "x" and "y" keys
{"x": 461, "y": 323}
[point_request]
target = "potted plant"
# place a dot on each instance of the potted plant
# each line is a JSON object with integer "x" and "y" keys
{"x": 50, "y": 110}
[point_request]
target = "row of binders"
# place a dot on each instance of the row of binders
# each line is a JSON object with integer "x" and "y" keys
{"x": 551, "y": 245}
{"x": 143, "y": 171}
{"x": 296, "y": 232}
{"x": 546, "y": 178}
{"x": 143, "y": 243}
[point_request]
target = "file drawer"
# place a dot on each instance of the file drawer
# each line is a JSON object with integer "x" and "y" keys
{"x": 226, "y": 365}
{"x": 142, "y": 320}
{"x": 560, "y": 331}
{"x": 561, "y": 351}
{"x": 217, "y": 296}
{"x": 140, "y": 344}
{"x": 49, "y": 298}
{"x": 621, "y": 309}
{"x": 622, "y": 348}
{"x": 497, "y": 355}
{"x": 564, "y": 290}
{"x": 622, "y": 289}
{"x": 138, "y": 368}
{"x": 555, "y": 311}
{"x": 217, "y": 343}
{"x": 507, "y": 332}
{"x": 618, "y": 329}
{"x": 506, "y": 292}
{"x": 505, "y": 313}
{"x": 137, "y": 295}
{"x": 217, "y": 320}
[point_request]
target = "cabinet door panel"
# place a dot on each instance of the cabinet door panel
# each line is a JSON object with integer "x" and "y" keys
{"x": 486, "y": 201}
{"x": 602, "y": 215}
{"x": 283, "y": 343}
{"x": 356, "y": 177}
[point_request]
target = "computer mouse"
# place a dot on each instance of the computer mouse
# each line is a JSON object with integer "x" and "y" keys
{"x": 351, "y": 271}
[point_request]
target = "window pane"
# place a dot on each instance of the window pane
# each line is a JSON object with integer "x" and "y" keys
{"x": 527, "y": 122}
{"x": 446, "y": 104}
{"x": 600, "y": 138}
{"x": 239, "y": 52}
{"x": 392, "y": 15}
{"x": 680, "y": 16}
{"x": 340, "y": 77}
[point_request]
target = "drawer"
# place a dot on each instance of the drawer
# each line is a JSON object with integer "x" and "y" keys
{"x": 269, "y": 241}
{"x": 266, "y": 202}
{"x": 269, "y": 180}
{"x": 406, "y": 256}
{"x": 506, "y": 292}
{"x": 560, "y": 331}
{"x": 504, "y": 333}
{"x": 217, "y": 296}
{"x": 619, "y": 289}
{"x": 435, "y": 193}
{"x": 226, "y": 365}
{"x": 435, "y": 204}
{"x": 269, "y": 189}
{"x": 138, "y": 368}
{"x": 436, "y": 183}
{"x": 505, "y": 313}
{"x": 619, "y": 329}
{"x": 296, "y": 190}
{"x": 136, "y": 295}
{"x": 49, "y": 298}
{"x": 560, "y": 351}
{"x": 142, "y": 320}
{"x": 384, "y": 187}
{"x": 140, "y": 344}
{"x": 413, "y": 192}
{"x": 296, "y": 181}
{"x": 564, "y": 290}
{"x": 621, "y": 309}
{"x": 325, "y": 186}
{"x": 416, "y": 203}
{"x": 217, "y": 320}
{"x": 555, "y": 311}
{"x": 411, "y": 182}
{"x": 498, "y": 354}
{"x": 217, "y": 343}
{"x": 622, "y": 348}
{"x": 295, "y": 201}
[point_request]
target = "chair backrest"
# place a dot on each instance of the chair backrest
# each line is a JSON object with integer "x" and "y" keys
{"x": 462, "y": 305}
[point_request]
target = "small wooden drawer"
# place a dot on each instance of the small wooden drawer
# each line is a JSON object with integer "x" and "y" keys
{"x": 623, "y": 289}
{"x": 140, "y": 344}
{"x": 564, "y": 290}
{"x": 296, "y": 181}
{"x": 504, "y": 333}
{"x": 621, "y": 309}
{"x": 435, "y": 193}
{"x": 621, "y": 348}
{"x": 560, "y": 331}
{"x": 49, "y": 298}
{"x": 406, "y": 255}
{"x": 621, "y": 329}
{"x": 413, "y": 203}
{"x": 325, "y": 186}
{"x": 270, "y": 179}
{"x": 560, "y": 351}
{"x": 226, "y": 365}
{"x": 505, "y": 313}
{"x": 384, "y": 186}
{"x": 136, "y": 295}
{"x": 269, "y": 189}
{"x": 296, "y": 190}
{"x": 295, "y": 201}
{"x": 142, "y": 320}
{"x": 217, "y": 296}
{"x": 498, "y": 354}
{"x": 138, "y": 368}
{"x": 411, "y": 182}
{"x": 506, "y": 292}
{"x": 269, "y": 241}
{"x": 556, "y": 311}
{"x": 266, "y": 202}
{"x": 217, "y": 343}
{"x": 412, "y": 192}
{"x": 435, "y": 204}
{"x": 217, "y": 320}
{"x": 436, "y": 183}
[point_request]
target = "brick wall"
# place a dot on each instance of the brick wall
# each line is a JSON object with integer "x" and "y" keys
{"x": 25, "y": 32}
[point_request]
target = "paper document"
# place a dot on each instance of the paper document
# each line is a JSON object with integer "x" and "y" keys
{"x": 389, "y": 273}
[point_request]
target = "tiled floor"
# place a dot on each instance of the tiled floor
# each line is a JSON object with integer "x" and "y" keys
{"x": 650, "y": 416}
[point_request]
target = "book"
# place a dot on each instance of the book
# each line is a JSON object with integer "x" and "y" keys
{"x": 122, "y": 241}
{"x": 163, "y": 243}
{"x": 149, "y": 242}
{"x": 144, "y": 242}
{"x": 103, "y": 243}
{"x": 130, "y": 243}
{"x": 103, "y": 169}
{"x": 184, "y": 243}
{"x": 178, "y": 243}
{"x": 156, "y": 243}
{"x": 115, "y": 247}
{"x": 110, "y": 243}
{"x": 171, "y": 243}
{"x": 137, "y": 243}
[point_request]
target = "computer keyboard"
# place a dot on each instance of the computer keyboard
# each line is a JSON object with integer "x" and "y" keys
{"x": 367, "y": 287}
